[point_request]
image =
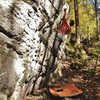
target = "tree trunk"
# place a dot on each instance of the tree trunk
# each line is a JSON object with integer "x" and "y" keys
{"x": 97, "y": 20}
{"x": 77, "y": 21}
{"x": 28, "y": 31}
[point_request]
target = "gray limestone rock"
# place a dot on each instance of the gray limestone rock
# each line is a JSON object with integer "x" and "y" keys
{"x": 3, "y": 97}
{"x": 24, "y": 57}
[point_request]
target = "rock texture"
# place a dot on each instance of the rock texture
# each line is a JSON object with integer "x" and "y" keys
{"x": 27, "y": 34}
{"x": 3, "y": 97}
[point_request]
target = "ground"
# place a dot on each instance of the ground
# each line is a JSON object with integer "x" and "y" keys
{"x": 84, "y": 72}
{"x": 90, "y": 85}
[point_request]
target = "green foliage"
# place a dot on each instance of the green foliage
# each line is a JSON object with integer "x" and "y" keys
{"x": 86, "y": 18}
{"x": 96, "y": 52}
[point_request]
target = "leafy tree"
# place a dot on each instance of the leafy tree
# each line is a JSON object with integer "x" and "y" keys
{"x": 87, "y": 21}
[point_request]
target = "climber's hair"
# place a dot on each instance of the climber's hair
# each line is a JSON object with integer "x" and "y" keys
{"x": 71, "y": 22}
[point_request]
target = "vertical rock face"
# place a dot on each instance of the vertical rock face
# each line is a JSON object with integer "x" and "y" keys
{"x": 26, "y": 39}
{"x": 3, "y": 97}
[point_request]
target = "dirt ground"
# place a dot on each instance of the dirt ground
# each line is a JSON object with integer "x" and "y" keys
{"x": 82, "y": 78}
{"x": 85, "y": 74}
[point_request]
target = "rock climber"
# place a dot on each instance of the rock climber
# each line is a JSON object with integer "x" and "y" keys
{"x": 63, "y": 28}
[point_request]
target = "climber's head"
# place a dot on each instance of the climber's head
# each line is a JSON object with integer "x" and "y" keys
{"x": 71, "y": 22}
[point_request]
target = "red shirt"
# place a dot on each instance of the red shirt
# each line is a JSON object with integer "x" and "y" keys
{"x": 64, "y": 27}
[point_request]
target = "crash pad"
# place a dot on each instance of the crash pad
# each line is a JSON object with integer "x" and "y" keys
{"x": 66, "y": 91}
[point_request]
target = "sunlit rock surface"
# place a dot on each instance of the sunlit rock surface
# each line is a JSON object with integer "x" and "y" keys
{"x": 25, "y": 56}
{"x": 18, "y": 26}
